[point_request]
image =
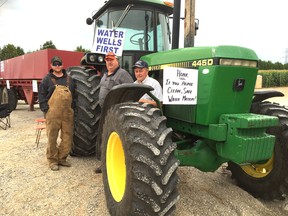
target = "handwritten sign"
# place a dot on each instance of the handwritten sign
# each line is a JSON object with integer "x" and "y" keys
{"x": 109, "y": 40}
{"x": 180, "y": 86}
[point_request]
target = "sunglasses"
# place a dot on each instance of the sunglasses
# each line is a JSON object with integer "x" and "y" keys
{"x": 57, "y": 63}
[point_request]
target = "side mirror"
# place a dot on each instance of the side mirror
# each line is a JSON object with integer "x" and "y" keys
{"x": 89, "y": 21}
{"x": 196, "y": 25}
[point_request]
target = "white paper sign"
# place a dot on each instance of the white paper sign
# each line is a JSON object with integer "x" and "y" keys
{"x": 34, "y": 86}
{"x": 180, "y": 86}
{"x": 1, "y": 66}
{"x": 8, "y": 84}
{"x": 109, "y": 40}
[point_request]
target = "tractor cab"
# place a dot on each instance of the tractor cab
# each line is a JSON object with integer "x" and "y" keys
{"x": 146, "y": 26}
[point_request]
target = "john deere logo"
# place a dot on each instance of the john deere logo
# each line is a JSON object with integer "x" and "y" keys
{"x": 239, "y": 84}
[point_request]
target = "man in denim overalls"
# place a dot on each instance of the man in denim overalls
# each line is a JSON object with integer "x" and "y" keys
{"x": 56, "y": 101}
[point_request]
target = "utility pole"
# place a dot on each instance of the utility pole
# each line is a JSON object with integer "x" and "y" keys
{"x": 189, "y": 23}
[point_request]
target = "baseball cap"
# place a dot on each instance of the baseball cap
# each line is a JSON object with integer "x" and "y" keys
{"x": 56, "y": 59}
{"x": 111, "y": 56}
{"x": 140, "y": 64}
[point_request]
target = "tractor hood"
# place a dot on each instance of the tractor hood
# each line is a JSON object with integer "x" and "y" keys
{"x": 196, "y": 53}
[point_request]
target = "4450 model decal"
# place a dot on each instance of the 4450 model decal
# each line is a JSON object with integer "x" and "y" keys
{"x": 187, "y": 64}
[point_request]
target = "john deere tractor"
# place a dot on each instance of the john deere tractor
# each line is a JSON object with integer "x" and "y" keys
{"x": 208, "y": 117}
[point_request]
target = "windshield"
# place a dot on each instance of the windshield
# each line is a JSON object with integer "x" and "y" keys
{"x": 139, "y": 27}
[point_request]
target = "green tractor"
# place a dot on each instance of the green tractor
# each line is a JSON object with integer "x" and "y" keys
{"x": 141, "y": 146}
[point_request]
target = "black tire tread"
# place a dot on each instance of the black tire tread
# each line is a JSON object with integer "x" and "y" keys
{"x": 13, "y": 99}
{"x": 87, "y": 110}
{"x": 150, "y": 148}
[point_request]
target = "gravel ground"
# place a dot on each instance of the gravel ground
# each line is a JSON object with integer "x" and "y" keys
{"x": 29, "y": 187}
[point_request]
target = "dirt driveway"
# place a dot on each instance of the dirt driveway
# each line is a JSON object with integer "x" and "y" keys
{"x": 28, "y": 187}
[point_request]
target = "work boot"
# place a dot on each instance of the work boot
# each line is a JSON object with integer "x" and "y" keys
{"x": 64, "y": 163}
{"x": 98, "y": 170}
{"x": 54, "y": 167}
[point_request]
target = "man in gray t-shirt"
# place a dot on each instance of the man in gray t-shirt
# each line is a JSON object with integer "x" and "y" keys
{"x": 114, "y": 76}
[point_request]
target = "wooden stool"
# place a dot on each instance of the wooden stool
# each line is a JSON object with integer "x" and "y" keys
{"x": 39, "y": 127}
{"x": 40, "y": 120}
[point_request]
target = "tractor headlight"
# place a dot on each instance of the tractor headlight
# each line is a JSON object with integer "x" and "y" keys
{"x": 100, "y": 59}
{"x": 92, "y": 58}
{"x": 238, "y": 62}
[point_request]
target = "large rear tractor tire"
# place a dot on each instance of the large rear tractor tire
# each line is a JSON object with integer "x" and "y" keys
{"x": 138, "y": 162}
{"x": 267, "y": 179}
{"x": 87, "y": 110}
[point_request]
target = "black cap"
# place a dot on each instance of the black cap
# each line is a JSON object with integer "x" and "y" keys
{"x": 56, "y": 59}
{"x": 140, "y": 64}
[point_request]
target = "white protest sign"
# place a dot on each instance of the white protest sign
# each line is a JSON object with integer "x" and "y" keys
{"x": 109, "y": 40}
{"x": 180, "y": 86}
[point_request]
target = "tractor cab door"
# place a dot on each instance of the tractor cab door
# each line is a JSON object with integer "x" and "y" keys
{"x": 147, "y": 29}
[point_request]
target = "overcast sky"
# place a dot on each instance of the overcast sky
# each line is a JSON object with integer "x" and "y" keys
{"x": 257, "y": 24}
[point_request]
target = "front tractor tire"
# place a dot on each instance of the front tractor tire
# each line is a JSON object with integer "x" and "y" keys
{"x": 87, "y": 111}
{"x": 138, "y": 162}
{"x": 267, "y": 179}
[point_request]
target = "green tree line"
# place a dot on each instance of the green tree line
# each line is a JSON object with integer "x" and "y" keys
{"x": 268, "y": 65}
{"x": 11, "y": 51}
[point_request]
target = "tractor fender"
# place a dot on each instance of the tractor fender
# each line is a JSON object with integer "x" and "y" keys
{"x": 119, "y": 94}
{"x": 263, "y": 95}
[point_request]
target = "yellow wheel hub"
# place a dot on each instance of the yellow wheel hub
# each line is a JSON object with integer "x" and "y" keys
{"x": 116, "y": 168}
{"x": 259, "y": 170}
